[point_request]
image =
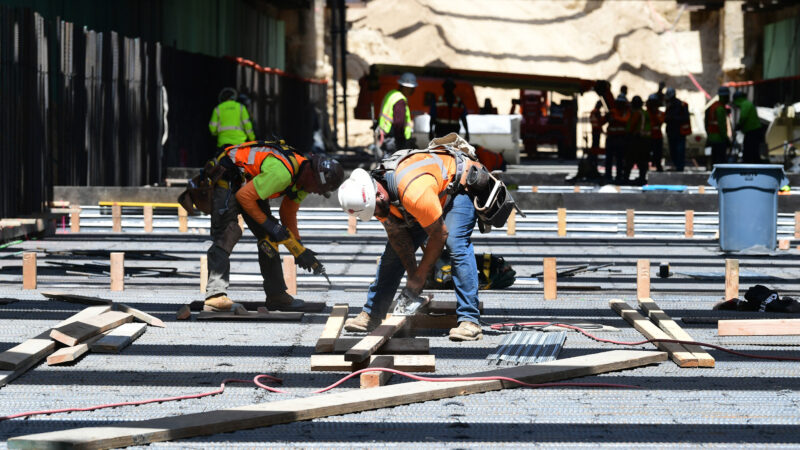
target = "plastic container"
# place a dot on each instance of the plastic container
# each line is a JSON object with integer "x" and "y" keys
{"x": 748, "y": 204}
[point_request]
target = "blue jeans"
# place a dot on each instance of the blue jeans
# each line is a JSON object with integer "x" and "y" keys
{"x": 460, "y": 220}
{"x": 677, "y": 151}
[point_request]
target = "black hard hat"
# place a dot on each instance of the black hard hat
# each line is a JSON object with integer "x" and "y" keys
{"x": 739, "y": 94}
{"x": 329, "y": 172}
{"x": 448, "y": 84}
{"x": 723, "y": 91}
{"x": 636, "y": 101}
{"x": 226, "y": 94}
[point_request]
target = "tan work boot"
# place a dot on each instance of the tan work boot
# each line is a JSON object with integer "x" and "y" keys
{"x": 217, "y": 303}
{"x": 283, "y": 301}
{"x": 362, "y": 322}
{"x": 466, "y": 331}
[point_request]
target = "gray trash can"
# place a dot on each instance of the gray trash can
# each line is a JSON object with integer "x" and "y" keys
{"x": 748, "y": 204}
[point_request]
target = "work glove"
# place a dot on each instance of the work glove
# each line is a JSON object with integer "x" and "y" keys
{"x": 309, "y": 262}
{"x": 275, "y": 231}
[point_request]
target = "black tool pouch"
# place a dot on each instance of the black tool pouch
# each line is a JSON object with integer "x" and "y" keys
{"x": 490, "y": 197}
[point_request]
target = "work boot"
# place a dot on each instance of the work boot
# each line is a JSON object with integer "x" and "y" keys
{"x": 283, "y": 301}
{"x": 466, "y": 331}
{"x": 218, "y": 303}
{"x": 362, "y": 322}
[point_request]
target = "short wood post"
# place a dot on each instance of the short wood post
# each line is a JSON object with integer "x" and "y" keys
{"x": 629, "y": 228}
{"x": 576, "y": 189}
{"x": 643, "y": 278}
{"x": 290, "y": 274}
{"x": 562, "y": 222}
{"x": 352, "y": 225}
{"x": 148, "y": 218}
{"x": 117, "y": 271}
{"x": 75, "y": 219}
{"x": 731, "y": 279}
{"x": 183, "y": 220}
{"x": 797, "y": 224}
{"x": 534, "y": 189}
{"x": 549, "y": 275}
{"x": 116, "y": 217}
{"x": 29, "y": 270}
{"x": 701, "y": 189}
{"x": 511, "y": 225}
{"x": 689, "y": 224}
{"x": 241, "y": 222}
{"x": 377, "y": 378}
{"x": 784, "y": 244}
{"x": 203, "y": 273}
{"x": 618, "y": 189}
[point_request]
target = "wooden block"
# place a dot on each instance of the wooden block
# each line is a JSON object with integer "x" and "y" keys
{"x": 324, "y": 405}
{"x": 677, "y": 352}
{"x": 689, "y": 224}
{"x": 797, "y": 225}
{"x": 629, "y": 227}
{"x": 436, "y": 322}
{"x": 511, "y": 225}
{"x": 643, "y": 278}
{"x": 290, "y": 274}
{"x": 148, "y": 218}
{"x": 183, "y": 220}
{"x": 83, "y": 314}
{"x": 18, "y": 356}
{"x": 270, "y": 316}
{"x": 394, "y": 346}
{"x": 562, "y": 222}
{"x": 77, "y": 332}
{"x": 117, "y": 271}
{"x": 549, "y": 276}
{"x": 241, "y": 222}
{"x": 759, "y": 327}
{"x": 368, "y": 345}
{"x": 116, "y": 217}
{"x": 74, "y": 298}
{"x": 140, "y": 315}
{"x": 75, "y": 219}
{"x": 784, "y": 244}
{"x": 333, "y": 327}
{"x": 203, "y": 273}
{"x": 534, "y": 189}
{"x": 118, "y": 338}
{"x": 731, "y": 279}
{"x": 378, "y": 378}
{"x": 351, "y": 224}
{"x": 576, "y": 189}
{"x": 29, "y": 270}
{"x": 70, "y": 354}
{"x": 669, "y": 326}
{"x": 184, "y": 312}
{"x": 701, "y": 189}
{"x": 329, "y": 362}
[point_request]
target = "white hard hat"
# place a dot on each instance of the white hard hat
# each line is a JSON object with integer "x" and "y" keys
{"x": 357, "y": 195}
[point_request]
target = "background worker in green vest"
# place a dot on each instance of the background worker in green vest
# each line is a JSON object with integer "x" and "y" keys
{"x": 716, "y": 122}
{"x": 395, "y": 124}
{"x": 750, "y": 125}
{"x": 230, "y": 121}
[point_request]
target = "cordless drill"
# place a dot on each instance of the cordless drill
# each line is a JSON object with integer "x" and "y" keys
{"x": 303, "y": 257}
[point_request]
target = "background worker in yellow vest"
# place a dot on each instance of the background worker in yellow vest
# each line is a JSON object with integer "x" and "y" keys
{"x": 394, "y": 124}
{"x": 230, "y": 121}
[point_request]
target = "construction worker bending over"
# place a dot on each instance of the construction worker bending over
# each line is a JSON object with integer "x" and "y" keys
{"x": 256, "y": 172}
{"x": 394, "y": 124}
{"x": 750, "y": 125}
{"x": 716, "y": 122}
{"x": 230, "y": 121}
{"x": 447, "y": 112}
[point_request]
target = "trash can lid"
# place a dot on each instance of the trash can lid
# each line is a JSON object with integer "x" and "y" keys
{"x": 775, "y": 170}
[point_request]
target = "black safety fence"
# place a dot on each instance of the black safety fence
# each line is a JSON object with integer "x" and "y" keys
{"x": 84, "y": 108}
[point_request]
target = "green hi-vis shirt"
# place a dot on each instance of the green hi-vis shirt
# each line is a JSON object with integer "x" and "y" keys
{"x": 274, "y": 179}
{"x": 721, "y": 117}
{"x": 748, "y": 117}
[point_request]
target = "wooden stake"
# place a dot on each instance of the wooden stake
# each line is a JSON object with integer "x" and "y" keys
{"x": 116, "y": 217}
{"x": 117, "y": 271}
{"x": 511, "y": 225}
{"x": 689, "y": 229}
{"x": 75, "y": 219}
{"x": 629, "y": 230}
{"x": 784, "y": 244}
{"x": 797, "y": 225}
{"x": 183, "y": 220}
{"x": 352, "y": 225}
{"x": 241, "y": 222}
{"x": 203, "y": 273}
{"x": 562, "y": 222}
{"x": 619, "y": 189}
{"x": 534, "y": 189}
{"x": 29, "y": 270}
{"x": 576, "y": 189}
{"x": 643, "y": 278}
{"x": 701, "y": 189}
{"x": 377, "y": 378}
{"x": 731, "y": 279}
{"x": 290, "y": 275}
{"x": 549, "y": 270}
{"x": 148, "y": 218}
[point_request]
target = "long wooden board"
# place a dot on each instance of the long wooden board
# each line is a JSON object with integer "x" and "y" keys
{"x": 394, "y": 346}
{"x": 118, "y": 338}
{"x": 70, "y": 354}
{"x": 677, "y": 352}
{"x": 759, "y": 327}
{"x": 140, "y": 315}
{"x": 292, "y": 410}
{"x": 83, "y": 314}
{"x": 271, "y": 316}
{"x": 328, "y": 362}
{"x": 18, "y": 356}
{"x": 333, "y": 327}
{"x": 670, "y": 327}
{"x": 77, "y": 332}
{"x": 74, "y": 298}
{"x": 310, "y": 307}
{"x": 368, "y": 345}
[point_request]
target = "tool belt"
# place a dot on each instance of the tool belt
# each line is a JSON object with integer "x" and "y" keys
{"x": 199, "y": 193}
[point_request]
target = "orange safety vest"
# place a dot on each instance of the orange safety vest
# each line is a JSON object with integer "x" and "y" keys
{"x": 656, "y": 119}
{"x": 636, "y": 123}
{"x": 597, "y": 120}
{"x": 712, "y": 127}
{"x": 250, "y": 155}
{"x": 686, "y": 127}
{"x": 447, "y": 114}
{"x": 618, "y": 123}
{"x": 490, "y": 160}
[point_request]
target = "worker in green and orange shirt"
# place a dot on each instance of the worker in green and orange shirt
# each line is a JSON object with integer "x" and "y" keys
{"x": 716, "y": 122}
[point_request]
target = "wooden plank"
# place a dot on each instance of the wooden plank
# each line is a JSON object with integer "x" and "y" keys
{"x": 368, "y": 345}
{"x": 118, "y": 338}
{"x": 797, "y": 224}
{"x": 629, "y": 223}
{"x": 731, "y": 279}
{"x": 203, "y": 273}
{"x": 332, "y": 329}
{"x": 290, "y": 274}
{"x": 562, "y": 221}
{"x": 75, "y": 220}
{"x": 6, "y": 376}
{"x": 445, "y": 307}
{"x": 688, "y": 231}
{"x": 352, "y": 225}
{"x": 701, "y": 189}
{"x": 378, "y": 378}
{"x": 18, "y": 356}
{"x": 511, "y": 224}
{"x": 29, "y": 270}
{"x": 147, "y": 211}
{"x": 78, "y": 331}
{"x": 83, "y": 314}
{"x": 140, "y": 315}
{"x": 183, "y": 220}
{"x": 549, "y": 276}
{"x": 117, "y": 271}
{"x": 74, "y": 298}
{"x": 329, "y": 362}
{"x": 70, "y": 354}
{"x": 394, "y": 346}
{"x": 677, "y": 352}
{"x": 665, "y": 322}
{"x": 271, "y": 316}
{"x": 433, "y": 322}
{"x": 116, "y": 217}
{"x": 324, "y": 405}
{"x": 759, "y": 327}
{"x": 643, "y": 278}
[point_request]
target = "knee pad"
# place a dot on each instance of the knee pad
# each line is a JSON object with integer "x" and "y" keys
{"x": 230, "y": 236}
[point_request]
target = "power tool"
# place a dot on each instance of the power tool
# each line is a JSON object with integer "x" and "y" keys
{"x": 303, "y": 257}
